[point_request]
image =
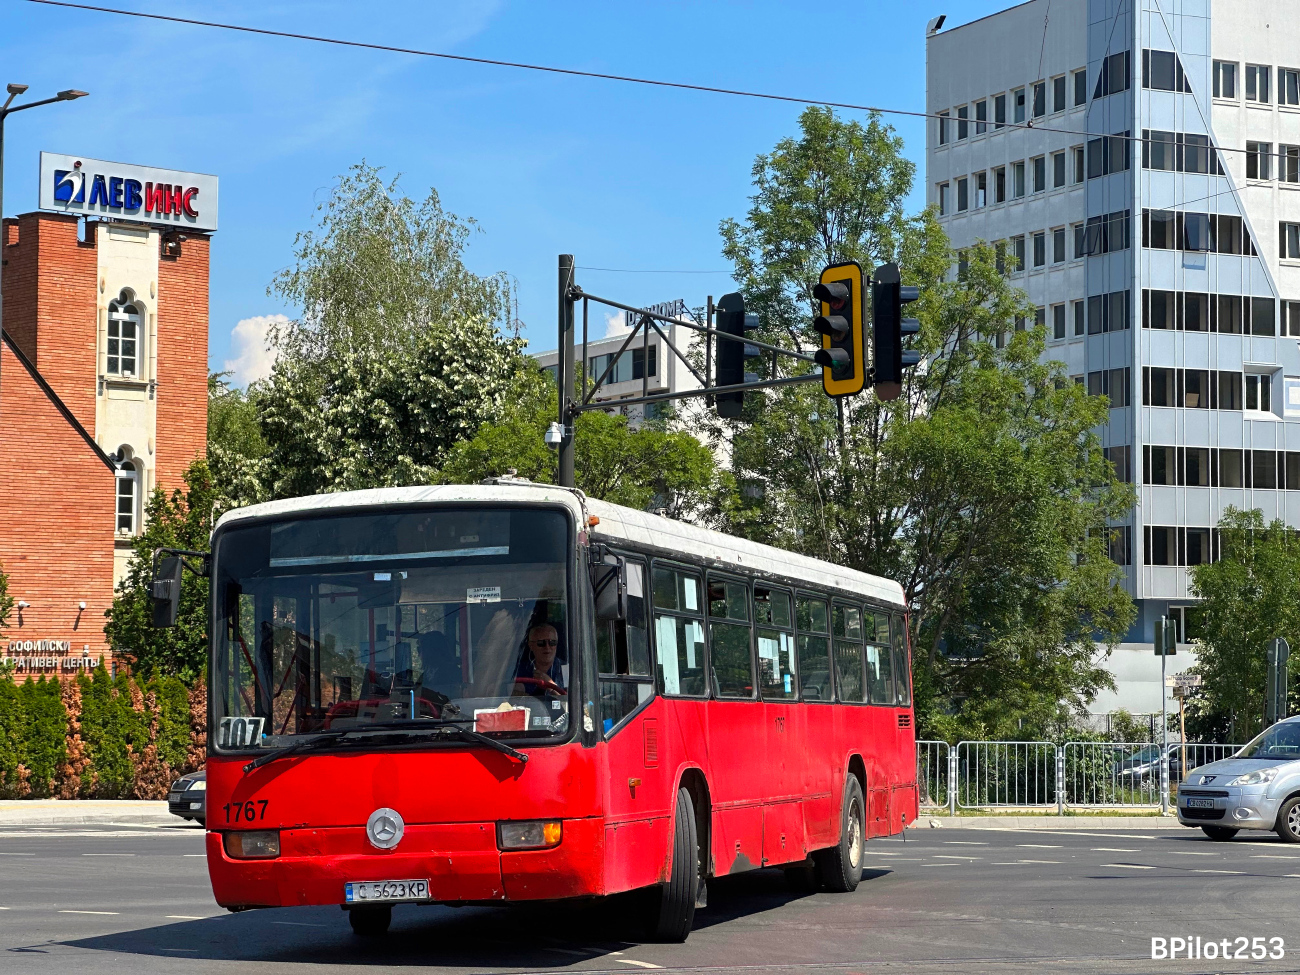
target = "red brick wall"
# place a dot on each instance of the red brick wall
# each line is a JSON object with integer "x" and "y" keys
{"x": 51, "y": 316}
{"x": 182, "y": 360}
{"x": 56, "y": 518}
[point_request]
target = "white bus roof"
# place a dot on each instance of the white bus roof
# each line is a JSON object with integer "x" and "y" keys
{"x": 640, "y": 528}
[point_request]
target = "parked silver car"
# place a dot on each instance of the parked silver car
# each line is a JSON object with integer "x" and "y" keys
{"x": 1257, "y": 788}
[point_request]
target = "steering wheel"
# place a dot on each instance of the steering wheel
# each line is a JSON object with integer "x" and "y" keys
{"x": 550, "y": 685}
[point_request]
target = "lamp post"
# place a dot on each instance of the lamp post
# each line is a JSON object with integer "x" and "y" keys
{"x": 7, "y": 109}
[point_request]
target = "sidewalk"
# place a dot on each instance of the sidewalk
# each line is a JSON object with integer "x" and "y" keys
{"x": 71, "y": 812}
{"x": 1045, "y": 822}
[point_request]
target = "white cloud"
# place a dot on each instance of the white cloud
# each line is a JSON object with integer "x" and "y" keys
{"x": 253, "y": 355}
{"x": 616, "y": 324}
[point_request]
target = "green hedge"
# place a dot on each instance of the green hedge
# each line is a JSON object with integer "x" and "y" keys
{"x": 97, "y": 736}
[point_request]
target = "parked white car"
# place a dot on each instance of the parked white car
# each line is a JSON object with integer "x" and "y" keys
{"x": 1257, "y": 788}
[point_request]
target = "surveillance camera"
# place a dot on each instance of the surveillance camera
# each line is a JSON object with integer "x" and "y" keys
{"x": 555, "y": 435}
{"x": 81, "y": 606}
{"x": 23, "y": 604}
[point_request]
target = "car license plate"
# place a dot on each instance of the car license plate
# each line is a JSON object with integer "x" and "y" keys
{"x": 1200, "y": 803}
{"x": 385, "y": 891}
{"x": 173, "y": 797}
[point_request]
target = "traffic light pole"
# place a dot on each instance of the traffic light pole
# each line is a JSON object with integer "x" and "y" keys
{"x": 565, "y": 370}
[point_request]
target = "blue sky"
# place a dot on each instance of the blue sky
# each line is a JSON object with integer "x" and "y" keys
{"x": 623, "y": 176}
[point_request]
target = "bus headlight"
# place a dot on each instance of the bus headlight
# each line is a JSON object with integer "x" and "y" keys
{"x": 253, "y": 844}
{"x": 539, "y": 835}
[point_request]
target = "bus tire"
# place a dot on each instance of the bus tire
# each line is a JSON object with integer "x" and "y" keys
{"x": 370, "y": 922}
{"x": 840, "y": 867}
{"x": 672, "y": 905}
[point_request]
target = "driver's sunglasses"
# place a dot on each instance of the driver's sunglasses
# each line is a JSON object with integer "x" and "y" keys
{"x": 546, "y": 643}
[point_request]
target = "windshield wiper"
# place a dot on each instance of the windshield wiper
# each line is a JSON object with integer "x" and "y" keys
{"x": 419, "y": 727}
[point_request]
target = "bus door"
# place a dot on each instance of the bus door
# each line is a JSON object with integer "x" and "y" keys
{"x": 880, "y": 693}
{"x": 783, "y": 829}
{"x": 906, "y": 798}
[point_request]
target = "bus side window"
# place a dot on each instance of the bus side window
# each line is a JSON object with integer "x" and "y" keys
{"x": 729, "y": 638}
{"x": 847, "y": 630}
{"x": 679, "y": 631}
{"x": 880, "y": 668}
{"x": 776, "y": 668}
{"x": 623, "y": 654}
{"x": 814, "y": 649}
{"x": 902, "y": 665}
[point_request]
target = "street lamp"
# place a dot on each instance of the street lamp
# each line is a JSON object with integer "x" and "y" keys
{"x": 7, "y": 109}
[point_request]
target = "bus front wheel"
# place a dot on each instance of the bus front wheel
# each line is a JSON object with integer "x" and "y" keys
{"x": 840, "y": 867}
{"x": 672, "y": 905}
{"x": 370, "y": 922}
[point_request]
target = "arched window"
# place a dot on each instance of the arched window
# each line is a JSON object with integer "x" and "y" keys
{"x": 128, "y": 491}
{"x": 124, "y": 336}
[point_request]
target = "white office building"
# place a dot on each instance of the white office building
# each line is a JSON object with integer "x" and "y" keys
{"x": 1152, "y": 210}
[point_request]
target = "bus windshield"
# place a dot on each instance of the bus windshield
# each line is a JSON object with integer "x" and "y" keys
{"x": 392, "y": 618}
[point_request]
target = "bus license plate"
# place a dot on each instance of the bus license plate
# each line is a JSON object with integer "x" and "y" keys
{"x": 385, "y": 891}
{"x": 1200, "y": 803}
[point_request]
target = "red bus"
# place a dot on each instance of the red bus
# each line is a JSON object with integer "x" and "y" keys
{"x": 509, "y": 692}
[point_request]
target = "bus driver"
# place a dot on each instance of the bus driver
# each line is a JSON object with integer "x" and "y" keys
{"x": 538, "y": 673}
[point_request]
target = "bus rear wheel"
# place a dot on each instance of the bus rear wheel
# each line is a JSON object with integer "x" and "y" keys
{"x": 840, "y": 867}
{"x": 370, "y": 922}
{"x": 672, "y": 905}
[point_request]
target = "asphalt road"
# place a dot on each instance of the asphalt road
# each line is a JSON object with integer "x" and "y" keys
{"x": 136, "y": 900}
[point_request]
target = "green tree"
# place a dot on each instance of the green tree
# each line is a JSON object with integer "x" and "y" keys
{"x": 641, "y": 467}
{"x": 400, "y": 350}
{"x": 983, "y": 489}
{"x": 6, "y": 600}
{"x": 1248, "y": 597}
{"x": 236, "y": 447}
{"x": 181, "y": 519}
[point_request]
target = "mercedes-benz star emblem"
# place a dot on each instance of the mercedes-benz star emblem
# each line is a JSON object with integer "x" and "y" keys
{"x": 384, "y": 828}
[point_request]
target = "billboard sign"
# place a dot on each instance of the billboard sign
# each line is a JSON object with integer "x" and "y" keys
{"x": 142, "y": 194}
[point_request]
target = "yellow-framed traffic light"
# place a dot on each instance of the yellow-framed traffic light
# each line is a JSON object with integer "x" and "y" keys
{"x": 843, "y": 355}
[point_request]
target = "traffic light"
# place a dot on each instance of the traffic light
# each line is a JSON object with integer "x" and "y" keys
{"x": 730, "y": 318}
{"x": 889, "y": 326}
{"x": 843, "y": 355}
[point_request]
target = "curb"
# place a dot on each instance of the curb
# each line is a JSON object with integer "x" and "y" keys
{"x": 1047, "y": 822}
{"x": 75, "y": 812}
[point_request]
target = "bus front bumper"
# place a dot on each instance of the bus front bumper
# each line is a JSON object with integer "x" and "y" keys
{"x": 461, "y": 862}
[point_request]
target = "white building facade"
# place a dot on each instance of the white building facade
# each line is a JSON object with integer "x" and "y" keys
{"x": 1164, "y": 263}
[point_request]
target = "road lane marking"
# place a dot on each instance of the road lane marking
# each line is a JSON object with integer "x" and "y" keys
{"x": 1041, "y": 846}
{"x": 89, "y": 912}
{"x": 17, "y": 854}
{"x": 1272, "y": 856}
{"x": 638, "y": 964}
{"x": 1239, "y": 872}
{"x": 1191, "y": 853}
{"x": 1038, "y": 861}
{"x": 194, "y": 854}
{"x": 1066, "y": 832}
{"x": 938, "y": 864}
{"x": 950, "y": 856}
{"x": 108, "y": 854}
{"x": 1004, "y": 863}
{"x": 1113, "y": 849}
{"x": 964, "y": 843}
{"x": 1129, "y": 866}
{"x": 188, "y": 917}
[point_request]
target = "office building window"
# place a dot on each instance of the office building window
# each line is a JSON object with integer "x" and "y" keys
{"x": 1115, "y": 74}
{"x": 1158, "y": 386}
{"x": 1259, "y": 396}
{"x": 1257, "y": 76}
{"x": 1113, "y": 384}
{"x": 1288, "y": 164}
{"x": 1000, "y": 185}
{"x": 1040, "y": 317}
{"x": 1058, "y": 322}
{"x": 1291, "y": 322}
{"x": 999, "y": 111}
{"x": 1163, "y": 71}
{"x": 1058, "y": 245}
{"x": 1161, "y": 545}
{"x": 1221, "y": 233}
{"x": 1040, "y": 173}
{"x": 943, "y": 199}
{"x": 1018, "y": 252}
{"x": 1058, "y": 94}
{"x": 981, "y": 117}
{"x": 1018, "y": 179}
{"x": 963, "y": 122}
{"x": 1263, "y": 316}
{"x": 1258, "y": 155}
{"x": 1109, "y": 312}
{"x": 123, "y": 337}
{"x": 981, "y": 190}
{"x": 1159, "y": 309}
{"x": 128, "y": 491}
{"x": 1040, "y": 249}
{"x": 1159, "y": 465}
{"x": 1040, "y": 99}
{"x": 1288, "y": 86}
{"x": 943, "y": 128}
{"x": 1121, "y": 458}
{"x": 1196, "y": 466}
{"x": 1108, "y": 155}
{"x": 1081, "y": 87}
{"x": 1058, "y": 170}
{"x": 1195, "y": 388}
{"x": 1289, "y": 237}
{"x": 1225, "y": 79}
{"x": 1000, "y": 258}
{"x": 1159, "y": 150}
{"x": 963, "y": 194}
{"x": 1080, "y": 170}
{"x": 1227, "y": 394}
{"x": 1179, "y": 152}
{"x": 1106, "y": 234}
{"x": 1196, "y": 312}
{"x": 1080, "y": 240}
{"x": 1018, "y": 104}
{"x": 1119, "y": 544}
{"x": 1080, "y": 317}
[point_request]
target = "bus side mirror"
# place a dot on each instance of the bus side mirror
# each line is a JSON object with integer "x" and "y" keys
{"x": 609, "y": 589}
{"x": 165, "y": 591}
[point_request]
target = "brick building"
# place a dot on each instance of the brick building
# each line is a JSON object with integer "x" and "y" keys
{"x": 103, "y": 396}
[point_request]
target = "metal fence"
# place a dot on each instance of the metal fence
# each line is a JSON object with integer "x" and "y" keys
{"x": 1039, "y": 774}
